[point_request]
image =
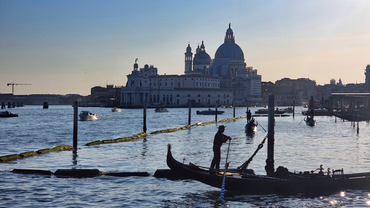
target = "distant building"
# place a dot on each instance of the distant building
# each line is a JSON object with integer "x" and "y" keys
{"x": 298, "y": 90}
{"x": 267, "y": 89}
{"x": 205, "y": 82}
{"x": 145, "y": 85}
{"x": 104, "y": 96}
{"x": 367, "y": 78}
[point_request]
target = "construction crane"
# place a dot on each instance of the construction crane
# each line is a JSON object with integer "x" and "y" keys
{"x": 12, "y": 84}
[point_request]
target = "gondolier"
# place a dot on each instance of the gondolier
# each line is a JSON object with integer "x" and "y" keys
{"x": 249, "y": 115}
{"x": 220, "y": 138}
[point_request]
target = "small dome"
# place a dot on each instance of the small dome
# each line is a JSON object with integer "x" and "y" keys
{"x": 229, "y": 50}
{"x": 201, "y": 58}
{"x": 188, "y": 49}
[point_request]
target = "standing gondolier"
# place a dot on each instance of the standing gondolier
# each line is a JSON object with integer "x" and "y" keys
{"x": 220, "y": 138}
{"x": 249, "y": 115}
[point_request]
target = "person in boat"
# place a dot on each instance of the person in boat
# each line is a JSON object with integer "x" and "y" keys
{"x": 249, "y": 115}
{"x": 312, "y": 113}
{"x": 219, "y": 139}
{"x": 253, "y": 122}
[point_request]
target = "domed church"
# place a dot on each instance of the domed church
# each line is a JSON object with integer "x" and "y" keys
{"x": 222, "y": 81}
{"x": 228, "y": 65}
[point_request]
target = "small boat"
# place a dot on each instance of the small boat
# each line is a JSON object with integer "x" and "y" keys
{"x": 209, "y": 112}
{"x": 6, "y": 114}
{"x": 161, "y": 110}
{"x": 288, "y": 110}
{"x": 87, "y": 116}
{"x": 251, "y": 127}
{"x": 317, "y": 112}
{"x": 265, "y": 111}
{"x": 116, "y": 109}
{"x": 310, "y": 121}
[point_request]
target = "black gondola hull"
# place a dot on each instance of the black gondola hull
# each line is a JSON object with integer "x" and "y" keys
{"x": 256, "y": 184}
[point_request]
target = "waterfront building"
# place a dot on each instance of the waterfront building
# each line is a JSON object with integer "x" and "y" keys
{"x": 367, "y": 78}
{"x": 300, "y": 90}
{"x": 205, "y": 82}
{"x": 104, "y": 96}
{"x": 146, "y": 85}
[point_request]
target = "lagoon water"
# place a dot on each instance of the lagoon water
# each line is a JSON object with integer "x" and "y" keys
{"x": 334, "y": 144}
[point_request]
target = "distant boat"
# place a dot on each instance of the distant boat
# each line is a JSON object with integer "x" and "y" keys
{"x": 265, "y": 111}
{"x": 317, "y": 112}
{"x": 87, "y": 116}
{"x": 209, "y": 112}
{"x": 5, "y": 114}
{"x": 116, "y": 110}
{"x": 288, "y": 110}
{"x": 161, "y": 110}
{"x": 310, "y": 121}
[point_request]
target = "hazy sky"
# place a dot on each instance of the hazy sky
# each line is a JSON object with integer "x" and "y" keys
{"x": 64, "y": 47}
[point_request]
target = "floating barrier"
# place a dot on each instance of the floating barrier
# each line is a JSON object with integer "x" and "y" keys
{"x": 110, "y": 141}
{"x": 169, "y": 174}
{"x": 32, "y": 171}
{"x": 127, "y": 174}
{"x": 78, "y": 173}
{"x": 7, "y": 158}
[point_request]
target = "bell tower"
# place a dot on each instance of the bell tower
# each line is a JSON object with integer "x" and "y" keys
{"x": 188, "y": 60}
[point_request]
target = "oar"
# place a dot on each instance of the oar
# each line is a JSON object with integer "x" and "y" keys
{"x": 261, "y": 126}
{"x": 224, "y": 176}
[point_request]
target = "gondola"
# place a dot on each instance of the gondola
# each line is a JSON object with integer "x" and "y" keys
{"x": 251, "y": 127}
{"x": 310, "y": 121}
{"x": 281, "y": 182}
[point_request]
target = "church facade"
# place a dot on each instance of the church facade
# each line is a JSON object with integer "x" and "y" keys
{"x": 222, "y": 81}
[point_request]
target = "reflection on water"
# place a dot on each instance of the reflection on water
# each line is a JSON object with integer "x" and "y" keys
{"x": 74, "y": 158}
{"x": 297, "y": 146}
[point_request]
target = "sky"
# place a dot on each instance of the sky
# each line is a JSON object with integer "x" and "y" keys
{"x": 68, "y": 47}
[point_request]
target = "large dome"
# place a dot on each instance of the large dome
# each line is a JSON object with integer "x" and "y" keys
{"x": 202, "y": 58}
{"x": 229, "y": 50}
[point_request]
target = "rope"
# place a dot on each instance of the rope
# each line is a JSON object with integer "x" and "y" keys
{"x": 246, "y": 163}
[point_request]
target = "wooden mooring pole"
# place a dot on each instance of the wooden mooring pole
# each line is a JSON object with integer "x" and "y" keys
{"x": 144, "y": 117}
{"x": 216, "y": 114}
{"x": 270, "y": 139}
{"x": 293, "y": 107}
{"x": 189, "y": 116}
{"x": 233, "y": 109}
{"x": 75, "y": 124}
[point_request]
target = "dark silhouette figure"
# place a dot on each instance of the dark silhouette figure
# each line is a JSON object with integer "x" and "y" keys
{"x": 217, "y": 143}
{"x": 249, "y": 115}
